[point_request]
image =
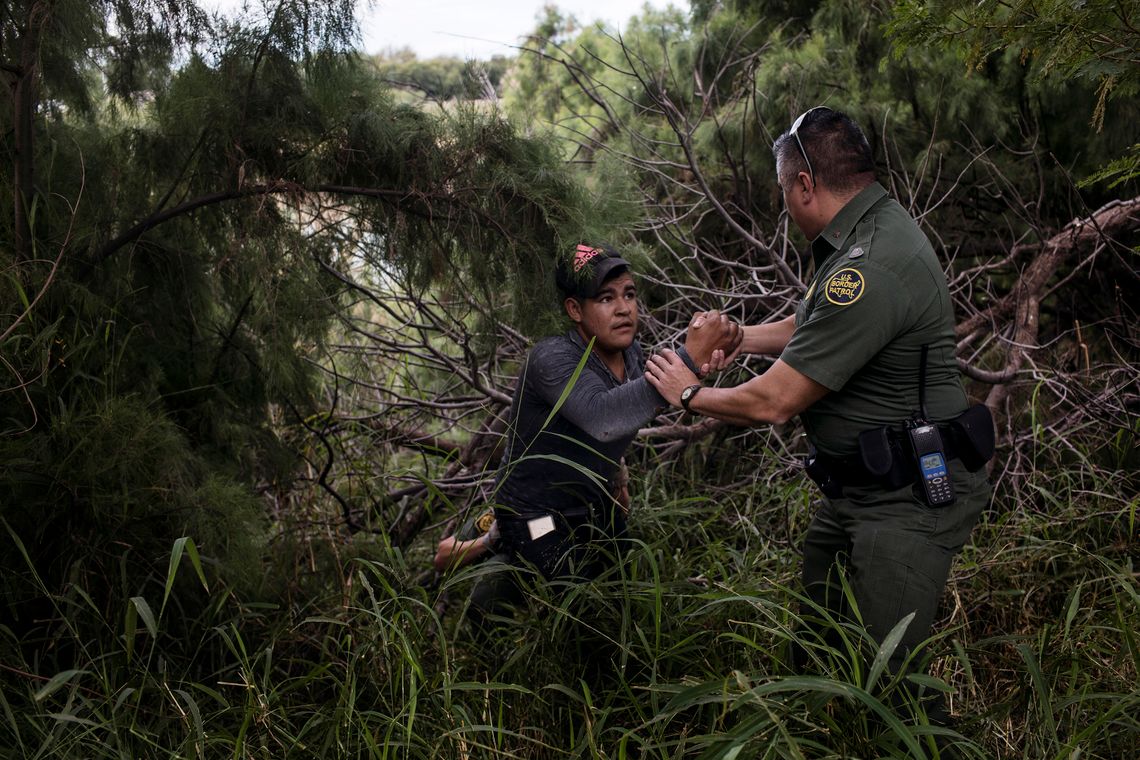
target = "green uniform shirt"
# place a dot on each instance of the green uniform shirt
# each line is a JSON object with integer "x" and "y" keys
{"x": 878, "y": 295}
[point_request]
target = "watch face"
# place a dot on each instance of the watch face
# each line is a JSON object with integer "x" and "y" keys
{"x": 687, "y": 393}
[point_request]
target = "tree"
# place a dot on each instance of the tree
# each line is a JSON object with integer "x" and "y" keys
{"x": 444, "y": 79}
{"x": 1095, "y": 42}
{"x": 192, "y": 206}
{"x": 986, "y": 163}
{"x": 680, "y": 117}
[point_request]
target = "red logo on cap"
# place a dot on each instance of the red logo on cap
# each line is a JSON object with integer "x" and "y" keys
{"x": 583, "y": 256}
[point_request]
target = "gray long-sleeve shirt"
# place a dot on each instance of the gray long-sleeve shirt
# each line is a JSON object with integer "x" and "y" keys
{"x": 566, "y": 464}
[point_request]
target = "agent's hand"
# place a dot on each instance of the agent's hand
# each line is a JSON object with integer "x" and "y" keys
{"x": 450, "y": 552}
{"x": 445, "y": 552}
{"x": 721, "y": 360}
{"x": 712, "y": 340}
{"x": 621, "y": 496}
{"x": 669, "y": 375}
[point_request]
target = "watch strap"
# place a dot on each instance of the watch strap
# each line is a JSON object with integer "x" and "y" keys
{"x": 688, "y": 360}
{"x": 688, "y": 394}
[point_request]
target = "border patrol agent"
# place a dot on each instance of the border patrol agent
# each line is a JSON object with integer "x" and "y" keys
{"x": 867, "y": 361}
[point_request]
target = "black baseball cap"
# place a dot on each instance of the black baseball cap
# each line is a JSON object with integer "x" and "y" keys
{"x": 584, "y": 273}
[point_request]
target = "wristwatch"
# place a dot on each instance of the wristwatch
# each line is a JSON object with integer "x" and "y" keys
{"x": 688, "y": 394}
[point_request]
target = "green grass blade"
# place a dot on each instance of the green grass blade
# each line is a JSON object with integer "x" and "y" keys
{"x": 130, "y": 627}
{"x": 57, "y": 681}
{"x": 146, "y": 614}
{"x": 570, "y": 384}
{"x": 886, "y": 649}
{"x": 1041, "y": 688}
{"x": 172, "y": 569}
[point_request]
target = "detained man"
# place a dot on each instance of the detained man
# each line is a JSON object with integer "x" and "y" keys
{"x": 579, "y": 401}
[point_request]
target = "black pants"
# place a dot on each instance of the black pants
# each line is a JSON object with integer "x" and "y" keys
{"x": 896, "y": 554}
{"x": 577, "y": 549}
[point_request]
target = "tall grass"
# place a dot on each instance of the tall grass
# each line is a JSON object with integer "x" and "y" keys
{"x": 680, "y": 652}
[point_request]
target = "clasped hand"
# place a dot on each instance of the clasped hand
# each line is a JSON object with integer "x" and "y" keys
{"x": 712, "y": 341}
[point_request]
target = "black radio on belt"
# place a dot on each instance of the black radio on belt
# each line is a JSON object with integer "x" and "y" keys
{"x": 930, "y": 455}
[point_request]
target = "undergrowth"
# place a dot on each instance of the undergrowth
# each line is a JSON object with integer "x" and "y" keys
{"x": 680, "y": 652}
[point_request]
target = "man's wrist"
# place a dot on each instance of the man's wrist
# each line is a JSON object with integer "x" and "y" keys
{"x": 688, "y": 360}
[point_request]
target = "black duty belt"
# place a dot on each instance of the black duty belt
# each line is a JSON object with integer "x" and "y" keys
{"x": 833, "y": 474}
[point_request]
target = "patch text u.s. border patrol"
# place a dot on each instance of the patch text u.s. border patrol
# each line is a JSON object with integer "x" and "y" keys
{"x": 845, "y": 287}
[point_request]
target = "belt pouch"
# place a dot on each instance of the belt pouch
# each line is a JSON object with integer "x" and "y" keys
{"x": 886, "y": 461}
{"x": 875, "y": 451}
{"x": 974, "y": 433}
{"x": 822, "y": 476}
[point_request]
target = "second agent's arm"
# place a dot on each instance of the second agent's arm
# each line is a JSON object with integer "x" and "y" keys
{"x": 453, "y": 552}
{"x": 770, "y": 338}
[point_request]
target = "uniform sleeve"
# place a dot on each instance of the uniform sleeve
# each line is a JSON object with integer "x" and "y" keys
{"x": 605, "y": 414}
{"x": 851, "y": 315}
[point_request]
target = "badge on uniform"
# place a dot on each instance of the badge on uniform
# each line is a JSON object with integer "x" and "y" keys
{"x": 845, "y": 287}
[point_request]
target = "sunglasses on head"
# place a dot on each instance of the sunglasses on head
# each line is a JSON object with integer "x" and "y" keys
{"x": 794, "y": 132}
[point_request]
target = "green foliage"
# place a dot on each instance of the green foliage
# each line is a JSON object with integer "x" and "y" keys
{"x": 443, "y": 78}
{"x": 738, "y": 73}
{"x": 1118, "y": 171}
{"x": 99, "y": 490}
{"x": 188, "y": 253}
{"x": 176, "y": 574}
{"x": 681, "y": 651}
{"x": 1094, "y": 41}
{"x": 541, "y": 88}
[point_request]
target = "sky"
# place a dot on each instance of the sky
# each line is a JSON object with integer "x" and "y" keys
{"x": 468, "y": 28}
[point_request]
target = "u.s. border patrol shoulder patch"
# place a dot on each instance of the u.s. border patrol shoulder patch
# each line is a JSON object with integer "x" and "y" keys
{"x": 845, "y": 287}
